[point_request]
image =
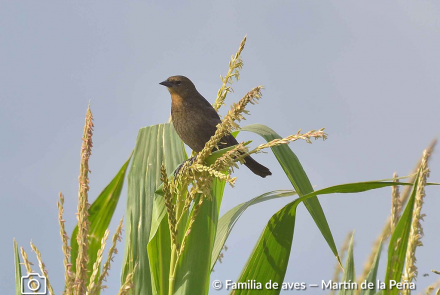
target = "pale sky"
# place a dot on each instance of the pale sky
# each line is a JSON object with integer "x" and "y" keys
{"x": 367, "y": 71}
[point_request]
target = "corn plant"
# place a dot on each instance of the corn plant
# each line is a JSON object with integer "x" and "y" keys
{"x": 174, "y": 234}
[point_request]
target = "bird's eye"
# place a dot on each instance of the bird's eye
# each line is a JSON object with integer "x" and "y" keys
{"x": 177, "y": 82}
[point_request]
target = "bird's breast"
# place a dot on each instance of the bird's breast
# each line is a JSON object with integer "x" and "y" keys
{"x": 176, "y": 100}
{"x": 188, "y": 125}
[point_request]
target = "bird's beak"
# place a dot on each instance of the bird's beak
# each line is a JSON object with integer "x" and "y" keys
{"x": 166, "y": 83}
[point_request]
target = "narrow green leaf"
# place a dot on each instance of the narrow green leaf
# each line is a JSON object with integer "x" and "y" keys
{"x": 193, "y": 280}
{"x": 268, "y": 261}
{"x": 349, "y": 276}
{"x": 100, "y": 214}
{"x": 218, "y": 188}
{"x": 399, "y": 243}
{"x": 17, "y": 269}
{"x": 228, "y": 220}
{"x": 298, "y": 177}
{"x": 159, "y": 211}
{"x": 159, "y": 253}
{"x": 372, "y": 275}
{"x": 159, "y": 246}
{"x": 194, "y": 266}
{"x": 154, "y": 145}
{"x": 355, "y": 187}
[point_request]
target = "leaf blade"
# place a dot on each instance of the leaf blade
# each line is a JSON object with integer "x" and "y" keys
{"x": 297, "y": 176}
{"x": 193, "y": 268}
{"x": 257, "y": 258}
{"x": 349, "y": 272}
{"x": 372, "y": 275}
{"x": 399, "y": 242}
{"x": 228, "y": 220}
{"x": 154, "y": 145}
{"x": 269, "y": 259}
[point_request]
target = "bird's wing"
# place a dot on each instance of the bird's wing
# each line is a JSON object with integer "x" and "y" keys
{"x": 226, "y": 141}
{"x": 211, "y": 120}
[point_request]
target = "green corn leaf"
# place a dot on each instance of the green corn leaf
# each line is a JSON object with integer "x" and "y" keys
{"x": 159, "y": 252}
{"x": 100, "y": 214}
{"x": 194, "y": 266}
{"x": 193, "y": 269}
{"x": 355, "y": 187}
{"x": 17, "y": 269}
{"x": 159, "y": 211}
{"x": 349, "y": 273}
{"x": 218, "y": 188}
{"x": 399, "y": 242}
{"x": 154, "y": 145}
{"x": 268, "y": 260}
{"x": 372, "y": 275}
{"x": 228, "y": 220}
{"x": 159, "y": 246}
{"x": 195, "y": 278}
{"x": 298, "y": 177}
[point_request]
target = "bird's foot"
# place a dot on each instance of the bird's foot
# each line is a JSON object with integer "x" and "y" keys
{"x": 190, "y": 161}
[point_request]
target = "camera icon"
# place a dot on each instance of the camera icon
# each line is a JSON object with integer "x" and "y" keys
{"x": 33, "y": 283}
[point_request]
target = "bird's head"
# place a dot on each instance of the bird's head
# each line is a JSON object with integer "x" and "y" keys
{"x": 179, "y": 85}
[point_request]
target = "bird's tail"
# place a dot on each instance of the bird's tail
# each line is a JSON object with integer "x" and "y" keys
{"x": 256, "y": 167}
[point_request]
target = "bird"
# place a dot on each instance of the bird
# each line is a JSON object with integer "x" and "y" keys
{"x": 195, "y": 120}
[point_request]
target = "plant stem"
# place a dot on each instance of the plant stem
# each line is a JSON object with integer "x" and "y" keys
{"x": 173, "y": 264}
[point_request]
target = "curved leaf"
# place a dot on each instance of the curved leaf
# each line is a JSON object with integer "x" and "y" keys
{"x": 228, "y": 220}
{"x": 399, "y": 242}
{"x": 268, "y": 260}
{"x": 298, "y": 177}
{"x": 192, "y": 272}
{"x": 371, "y": 278}
{"x": 349, "y": 274}
{"x": 194, "y": 266}
{"x": 154, "y": 145}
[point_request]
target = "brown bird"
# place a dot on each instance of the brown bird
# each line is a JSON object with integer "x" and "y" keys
{"x": 195, "y": 120}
